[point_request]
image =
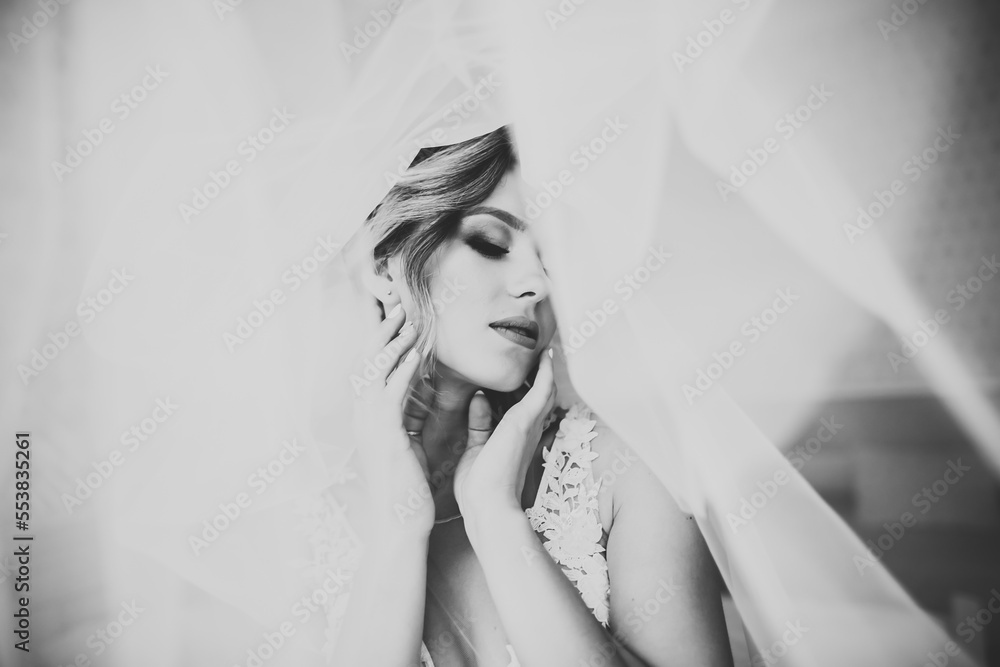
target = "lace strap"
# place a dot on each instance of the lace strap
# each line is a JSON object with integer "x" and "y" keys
{"x": 566, "y": 510}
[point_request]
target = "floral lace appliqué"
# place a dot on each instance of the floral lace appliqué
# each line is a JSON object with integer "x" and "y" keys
{"x": 566, "y": 512}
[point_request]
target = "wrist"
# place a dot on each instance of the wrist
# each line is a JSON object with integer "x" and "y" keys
{"x": 482, "y": 513}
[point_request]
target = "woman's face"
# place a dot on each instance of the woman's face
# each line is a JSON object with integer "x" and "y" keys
{"x": 490, "y": 293}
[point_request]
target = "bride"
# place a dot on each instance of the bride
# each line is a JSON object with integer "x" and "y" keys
{"x": 503, "y": 530}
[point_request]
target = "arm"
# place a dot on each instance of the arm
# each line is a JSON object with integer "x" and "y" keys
{"x": 665, "y": 603}
{"x": 665, "y": 589}
{"x": 384, "y": 624}
{"x": 542, "y": 612}
{"x": 387, "y": 593}
{"x": 653, "y": 550}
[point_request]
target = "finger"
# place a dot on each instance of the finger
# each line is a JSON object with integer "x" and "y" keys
{"x": 543, "y": 387}
{"x": 383, "y": 333}
{"x": 403, "y": 369}
{"x": 480, "y": 421}
{"x": 417, "y": 405}
{"x": 386, "y": 331}
{"x": 389, "y": 358}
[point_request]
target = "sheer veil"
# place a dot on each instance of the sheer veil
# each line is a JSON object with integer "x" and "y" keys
{"x": 232, "y": 192}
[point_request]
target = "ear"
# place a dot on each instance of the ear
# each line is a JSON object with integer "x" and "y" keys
{"x": 385, "y": 284}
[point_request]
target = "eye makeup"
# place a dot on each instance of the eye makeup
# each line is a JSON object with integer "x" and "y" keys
{"x": 484, "y": 245}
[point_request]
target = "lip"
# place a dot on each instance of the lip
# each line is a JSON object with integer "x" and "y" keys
{"x": 518, "y": 330}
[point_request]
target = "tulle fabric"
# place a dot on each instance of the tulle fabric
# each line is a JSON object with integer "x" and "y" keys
{"x": 249, "y": 394}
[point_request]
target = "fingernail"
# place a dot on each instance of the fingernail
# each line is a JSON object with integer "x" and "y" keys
{"x": 406, "y": 329}
{"x": 395, "y": 310}
{"x": 551, "y": 353}
{"x": 411, "y": 355}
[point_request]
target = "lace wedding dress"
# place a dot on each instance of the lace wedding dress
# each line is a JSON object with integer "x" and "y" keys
{"x": 564, "y": 514}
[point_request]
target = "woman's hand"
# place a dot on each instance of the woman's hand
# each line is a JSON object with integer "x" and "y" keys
{"x": 492, "y": 469}
{"x": 387, "y": 423}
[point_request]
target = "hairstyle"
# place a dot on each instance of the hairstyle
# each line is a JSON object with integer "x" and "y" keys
{"x": 423, "y": 209}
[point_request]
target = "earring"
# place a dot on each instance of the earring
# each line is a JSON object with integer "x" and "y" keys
{"x": 388, "y": 292}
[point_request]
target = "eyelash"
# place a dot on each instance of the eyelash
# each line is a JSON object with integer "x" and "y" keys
{"x": 485, "y": 247}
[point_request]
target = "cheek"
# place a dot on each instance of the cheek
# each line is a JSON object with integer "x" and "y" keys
{"x": 463, "y": 291}
{"x": 460, "y": 303}
{"x": 547, "y": 322}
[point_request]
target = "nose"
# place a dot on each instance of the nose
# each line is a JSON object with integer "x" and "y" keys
{"x": 529, "y": 281}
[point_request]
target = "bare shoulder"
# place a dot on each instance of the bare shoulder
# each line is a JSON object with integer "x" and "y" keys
{"x": 615, "y": 458}
{"x": 626, "y": 479}
{"x": 655, "y": 548}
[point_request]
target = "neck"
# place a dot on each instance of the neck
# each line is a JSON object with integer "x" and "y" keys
{"x": 444, "y": 435}
{"x": 450, "y": 416}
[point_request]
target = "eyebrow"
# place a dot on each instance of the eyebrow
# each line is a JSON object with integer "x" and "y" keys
{"x": 511, "y": 221}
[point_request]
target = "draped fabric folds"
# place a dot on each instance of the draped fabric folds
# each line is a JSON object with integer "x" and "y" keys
{"x": 219, "y": 216}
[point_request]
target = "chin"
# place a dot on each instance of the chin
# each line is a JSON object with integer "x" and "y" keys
{"x": 500, "y": 376}
{"x": 506, "y": 384}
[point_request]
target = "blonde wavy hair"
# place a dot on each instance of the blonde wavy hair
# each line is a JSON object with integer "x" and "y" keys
{"x": 423, "y": 209}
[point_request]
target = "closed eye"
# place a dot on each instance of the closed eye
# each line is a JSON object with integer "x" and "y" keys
{"x": 485, "y": 247}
